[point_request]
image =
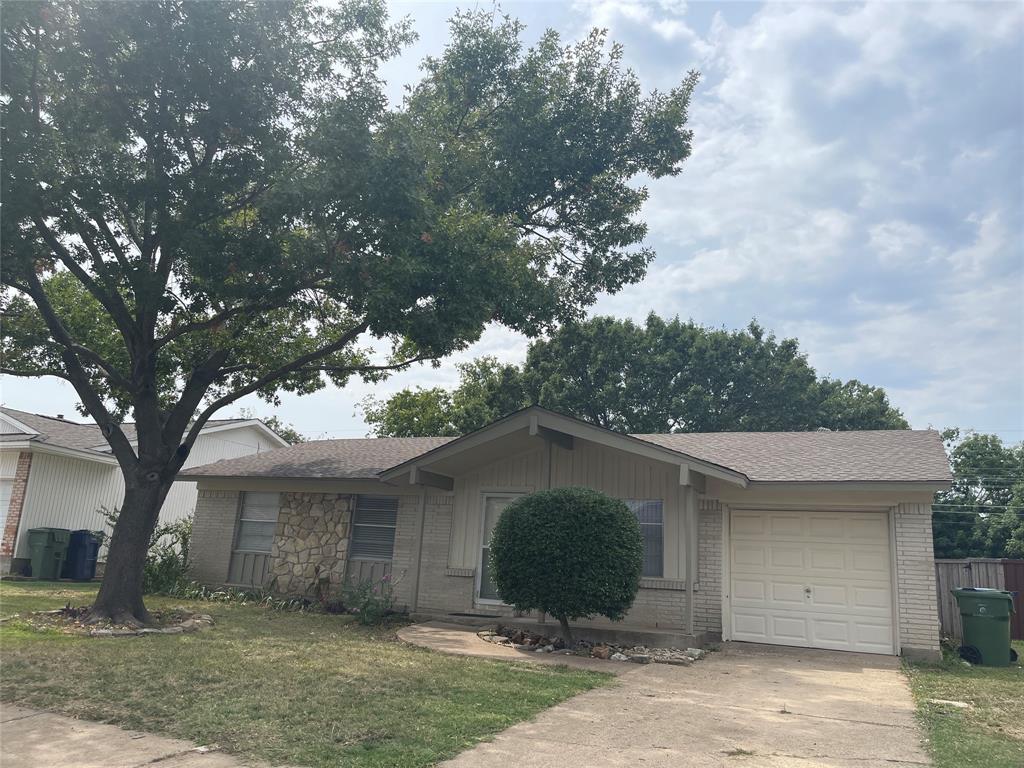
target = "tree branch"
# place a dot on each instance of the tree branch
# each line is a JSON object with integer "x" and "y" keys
{"x": 269, "y": 378}
{"x": 79, "y": 378}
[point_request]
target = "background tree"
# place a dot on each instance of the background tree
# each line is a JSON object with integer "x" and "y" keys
{"x": 982, "y": 515}
{"x": 282, "y": 428}
{"x": 663, "y": 376}
{"x": 208, "y": 200}
{"x": 570, "y": 552}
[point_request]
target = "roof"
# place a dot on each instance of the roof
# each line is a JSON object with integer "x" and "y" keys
{"x": 63, "y": 433}
{"x": 348, "y": 459}
{"x": 903, "y": 455}
{"x": 790, "y": 457}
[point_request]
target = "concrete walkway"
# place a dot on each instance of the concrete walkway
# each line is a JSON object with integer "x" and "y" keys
{"x": 30, "y": 738}
{"x": 462, "y": 640}
{"x": 742, "y": 707}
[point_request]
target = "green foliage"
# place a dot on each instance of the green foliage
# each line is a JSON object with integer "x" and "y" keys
{"x": 166, "y": 568}
{"x": 369, "y": 600}
{"x": 204, "y": 201}
{"x": 663, "y": 376}
{"x": 982, "y": 515}
{"x": 569, "y": 552}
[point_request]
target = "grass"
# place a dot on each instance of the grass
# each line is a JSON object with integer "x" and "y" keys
{"x": 303, "y": 689}
{"x": 988, "y": 734}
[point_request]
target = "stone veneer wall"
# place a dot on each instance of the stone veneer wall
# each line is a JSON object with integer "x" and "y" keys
{"x": 311, "y": 542}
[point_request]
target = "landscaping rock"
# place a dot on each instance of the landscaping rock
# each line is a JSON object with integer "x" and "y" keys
{"x": 640, "y": 658}
{"x": 601, "y": 652}
{"x": 619, "y": 657}
{"x": 696, "y": 653}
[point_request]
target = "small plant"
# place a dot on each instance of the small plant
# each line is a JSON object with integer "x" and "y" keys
{"x": 166, "y": 569}
{"x": 368, "y": 600}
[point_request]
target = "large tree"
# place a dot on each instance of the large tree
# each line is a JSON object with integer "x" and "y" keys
{"x": 204, "y": 201}
{"x": 663, "y": 376}
{"x": 982, "y": 514}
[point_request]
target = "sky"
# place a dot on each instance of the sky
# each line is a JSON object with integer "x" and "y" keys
{"x": 857, "y": 182}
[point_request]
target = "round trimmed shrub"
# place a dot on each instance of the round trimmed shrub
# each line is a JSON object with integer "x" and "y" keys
{"x": 569, "y": 552}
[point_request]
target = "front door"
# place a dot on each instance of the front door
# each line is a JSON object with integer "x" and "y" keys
{"x": 493, "y": 505}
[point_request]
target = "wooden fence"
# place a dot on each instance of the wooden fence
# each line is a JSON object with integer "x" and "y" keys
{"x": 978, "y": 572}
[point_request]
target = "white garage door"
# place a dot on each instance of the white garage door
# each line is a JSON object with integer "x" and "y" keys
{"x": 812, "y": 579}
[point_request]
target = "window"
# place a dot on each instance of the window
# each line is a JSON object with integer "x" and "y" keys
{"x": 373, "y": 527}
{"x": 493, "y": 507}
{"x": 257, "y": 521}
{"x": 652, "y": 529}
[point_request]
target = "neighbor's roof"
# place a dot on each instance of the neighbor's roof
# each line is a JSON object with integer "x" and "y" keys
{"x": 63, "y": 433}
{"x": 875, "y": 456}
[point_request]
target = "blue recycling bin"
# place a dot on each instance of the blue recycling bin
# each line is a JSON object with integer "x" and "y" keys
{"x": 83, "y": 551}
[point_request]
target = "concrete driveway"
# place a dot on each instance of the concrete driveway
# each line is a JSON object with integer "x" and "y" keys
{"x": 745, "y": 706}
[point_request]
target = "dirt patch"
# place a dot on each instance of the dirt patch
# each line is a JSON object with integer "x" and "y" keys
{"x": 70, "y": 620}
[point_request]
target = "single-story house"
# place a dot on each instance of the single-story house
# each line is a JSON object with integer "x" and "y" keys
{"x": 58, "y": 473}
{"x": 815, "y": 539}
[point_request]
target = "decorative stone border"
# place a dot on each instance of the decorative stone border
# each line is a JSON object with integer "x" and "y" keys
{"x": 522, "y": 640}
{"x": 188, "y": 622}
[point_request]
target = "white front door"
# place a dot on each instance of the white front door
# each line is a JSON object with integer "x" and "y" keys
{"x": 812, "y": 579}
{"x": 493, "y": 505}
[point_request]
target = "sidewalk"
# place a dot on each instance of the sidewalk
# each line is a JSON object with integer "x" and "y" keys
{"x": 30, "y": 738}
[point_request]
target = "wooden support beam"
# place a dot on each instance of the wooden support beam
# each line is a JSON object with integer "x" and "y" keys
{"x": 419, "y": 476}
{"x": 684, "y": 474}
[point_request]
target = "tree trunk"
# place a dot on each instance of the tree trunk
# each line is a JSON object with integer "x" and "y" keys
{"x": 566, "y": 632}
{"x": 120, "y": 597}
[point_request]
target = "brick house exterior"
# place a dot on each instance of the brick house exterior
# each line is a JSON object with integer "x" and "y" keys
{"x": 812, "y": 539}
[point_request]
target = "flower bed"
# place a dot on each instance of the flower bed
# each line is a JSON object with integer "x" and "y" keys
{"x": 524, "y": 640}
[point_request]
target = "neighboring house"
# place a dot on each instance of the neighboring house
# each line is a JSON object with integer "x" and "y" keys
{"x": 816, "y": 539}
{"x": 57, "y": 473}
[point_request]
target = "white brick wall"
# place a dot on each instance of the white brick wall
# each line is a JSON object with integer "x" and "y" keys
{"x": 213, "y": 534}
{"x": 915, "y": 580}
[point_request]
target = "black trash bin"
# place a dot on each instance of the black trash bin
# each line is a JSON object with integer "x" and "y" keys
{"x": 83, "y": 550}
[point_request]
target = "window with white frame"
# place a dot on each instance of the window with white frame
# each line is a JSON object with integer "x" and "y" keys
{"x": 257, "y": 521}
{"x": 650, "y": 514}
{"x": 373, "y": 528}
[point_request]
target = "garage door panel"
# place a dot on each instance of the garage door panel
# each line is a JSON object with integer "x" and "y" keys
{"x": 787, "y": 558}
{"x": 813, "y": 579}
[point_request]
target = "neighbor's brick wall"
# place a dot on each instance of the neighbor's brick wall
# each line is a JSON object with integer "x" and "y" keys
{"x": 10, "y": 533}
{"x": 707, "y": 608}
{"x": 213, "y": 535}
{"x": 915, "y": 580}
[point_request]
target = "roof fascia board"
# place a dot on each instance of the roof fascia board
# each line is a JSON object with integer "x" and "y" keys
{"x": 18, "y": 425}
{"x": 87, "y": 454}
{"x": 535, "y": 418}
{"x": 932, "y": 486}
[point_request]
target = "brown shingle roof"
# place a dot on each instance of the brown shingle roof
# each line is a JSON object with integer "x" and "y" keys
{"x": 350, "y": 459}
{"x": 881, "y": 456}
{"x": 807, "y": 457}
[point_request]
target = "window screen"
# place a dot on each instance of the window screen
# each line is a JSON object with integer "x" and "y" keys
{"x": 652, "y": 529}
{"x": 257, "y": 521}
{"x": 373, "y": 527}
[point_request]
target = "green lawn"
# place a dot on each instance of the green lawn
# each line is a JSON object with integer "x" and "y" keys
{"x": 990, "y": 734}
{"x": 302, "y": 689}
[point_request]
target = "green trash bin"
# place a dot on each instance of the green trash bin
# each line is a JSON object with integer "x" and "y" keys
{"x": 48, "y": 547}
{"x": 985, "y": 616}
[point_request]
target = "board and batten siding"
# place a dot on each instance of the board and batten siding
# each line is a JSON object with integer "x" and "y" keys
{"x": 589, "y": 465}
{"x": 67, "y": 492}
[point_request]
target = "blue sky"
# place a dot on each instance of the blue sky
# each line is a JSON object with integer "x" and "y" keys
{"x": 856, "y": 182}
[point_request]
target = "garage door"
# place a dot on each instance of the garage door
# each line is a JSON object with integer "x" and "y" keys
{"x": 812, "y": 579}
